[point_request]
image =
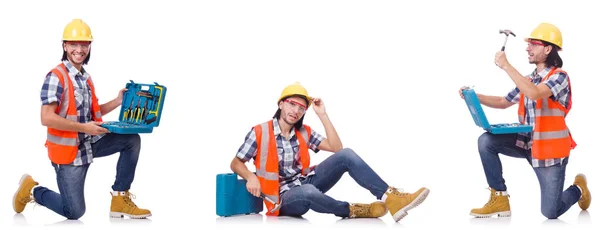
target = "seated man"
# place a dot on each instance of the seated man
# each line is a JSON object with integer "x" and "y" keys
{"x": 280, "y": 147}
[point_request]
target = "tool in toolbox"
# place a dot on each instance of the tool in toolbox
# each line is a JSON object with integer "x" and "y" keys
{"x": 128, "y": 111}
{"x": 506, "y": 32}
{"x": 476, "y": 110}
{"x": 134, "y": 119}
{"x": 233, "y": 197}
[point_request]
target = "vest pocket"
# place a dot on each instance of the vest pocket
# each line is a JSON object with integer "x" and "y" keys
{"x": 60, "y": 154}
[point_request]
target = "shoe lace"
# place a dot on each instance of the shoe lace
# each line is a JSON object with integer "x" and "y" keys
{"x": 29, "y": 199}
{"x": 398, "y": 192}
{"x": 359, "y": 210}
{"x": 128, "y": 199}
{"x": 492, "y": 199}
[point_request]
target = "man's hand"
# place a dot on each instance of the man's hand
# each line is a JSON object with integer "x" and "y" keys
{"x": 501, "y": 60}
{"x": 318, "y": 106}
{"x": 253, "y": 185}
{"x": 119, "y": 98}
{"x": 461, "y": 93}
{"x": 94, "y": 128}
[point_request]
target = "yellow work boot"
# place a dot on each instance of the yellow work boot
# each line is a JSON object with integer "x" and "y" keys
{"x": 122, "y": 205}
{"x": 586, "y": 197}
{"x": 374, "y": 210}
{"x": 23, "y": 194}
{"x": 399, "y": 202}
{"x": 497, "y": 205}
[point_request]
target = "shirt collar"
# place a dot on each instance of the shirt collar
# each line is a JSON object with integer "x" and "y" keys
{"x": 73, "y": 72}
{"x": 277, "y": 129}
{"x": 541, "y": 74}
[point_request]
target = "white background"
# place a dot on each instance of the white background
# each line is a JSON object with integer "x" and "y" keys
{"x": 388, "y": 72}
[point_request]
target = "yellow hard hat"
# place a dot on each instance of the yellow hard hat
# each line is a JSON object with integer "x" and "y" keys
{"x": 77, "y": 30}
{"x": 548, "y": 33}
{"x": 295, "y": 89}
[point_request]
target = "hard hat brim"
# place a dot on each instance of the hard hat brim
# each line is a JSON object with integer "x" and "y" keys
{"x": 78, "y": 40}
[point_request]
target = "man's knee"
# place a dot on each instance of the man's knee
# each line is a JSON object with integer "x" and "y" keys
{"x": 485, "y": 141}
{"x": 549, "y": 211}
{"x": 134, "y": 139}
{"x": 132, "y": 142}
{"x": 75, "y": 212}
{"x": 550, "y": 214}
{"x": 348, "y": 153}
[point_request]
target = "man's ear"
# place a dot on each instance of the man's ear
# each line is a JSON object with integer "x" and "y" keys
{"x": 548, "y": 49}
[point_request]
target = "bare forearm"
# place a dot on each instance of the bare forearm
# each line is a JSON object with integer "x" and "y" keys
{"x": 110, "y": 106}
{"x": 526, "y": 87}
{"x": 60, "y": 123}
{"x": 332, "y": 136}
{"x": 239, "y": 168}
{"x": 496, "y": 102}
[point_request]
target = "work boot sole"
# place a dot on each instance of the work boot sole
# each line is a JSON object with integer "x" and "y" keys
{"x": 587, "y": 188}
{"x": 18, "y": 190}
{"x": 122, "y": 214}
{"x": 416, "y": 202}
{"x": 500, "y": 214}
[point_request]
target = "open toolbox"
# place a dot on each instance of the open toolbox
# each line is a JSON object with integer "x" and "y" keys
{"x": 141, "y": 109}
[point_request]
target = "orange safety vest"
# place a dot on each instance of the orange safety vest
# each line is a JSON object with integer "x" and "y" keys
{"x": 63, "y": 145}
{"x": 551, "y": 136}
{"x": 267, "y": 160}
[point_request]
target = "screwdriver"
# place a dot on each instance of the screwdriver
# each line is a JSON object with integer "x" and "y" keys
{"x": 137, "y": 110}
{"x": 143, "y": 110}
{"x": 127, "y": 111}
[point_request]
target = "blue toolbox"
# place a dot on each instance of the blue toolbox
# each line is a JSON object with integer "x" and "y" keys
{"x": 233, "y": 198}
{"x": 141, "y": 109}
{"x": 480, "y": 119}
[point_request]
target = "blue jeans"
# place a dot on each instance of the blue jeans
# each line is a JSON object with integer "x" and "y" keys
{"x": 310, "y": 195}
{"x": 555, "y": 201}
{"x": 70, "y": 203}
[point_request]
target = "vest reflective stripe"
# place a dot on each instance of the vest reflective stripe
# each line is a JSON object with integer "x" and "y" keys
{"x": 304, "y": 156}
{"x": 267, "y": 175}
{"x": 550, "y": 112}
{"x": 62, "y": 140}
{"x": 264, "y": 155}
{"x": 267, "y": 160}
{"x": 551, "y": 137}
{"x": 63, "y": 145}
{"x": 66, "y": 95}
{"x": 96, "y": 112}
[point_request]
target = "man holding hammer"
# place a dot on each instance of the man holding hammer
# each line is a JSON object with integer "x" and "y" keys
{"x": 544, "y": 99}
{"x": 288, "y": 182}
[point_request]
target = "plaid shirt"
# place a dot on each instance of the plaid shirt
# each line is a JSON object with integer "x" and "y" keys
{"x": 290, "y": 167}
{"x": 52, "y": 92}
{"x": 559, "y": 86}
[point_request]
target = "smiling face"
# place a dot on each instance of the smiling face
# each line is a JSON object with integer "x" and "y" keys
{"x": 76, "y": 52}
{"x": 537, "y": 51}
{"x": 292, "y": 109}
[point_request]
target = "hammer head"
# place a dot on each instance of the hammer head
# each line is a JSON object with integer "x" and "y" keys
{"x": 507, "y": 32}
{"x": 277, "y": 206}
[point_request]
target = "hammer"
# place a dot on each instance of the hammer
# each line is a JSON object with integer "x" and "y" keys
{"x": 277, "y": 206}
{"x": 506, "y": 32}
